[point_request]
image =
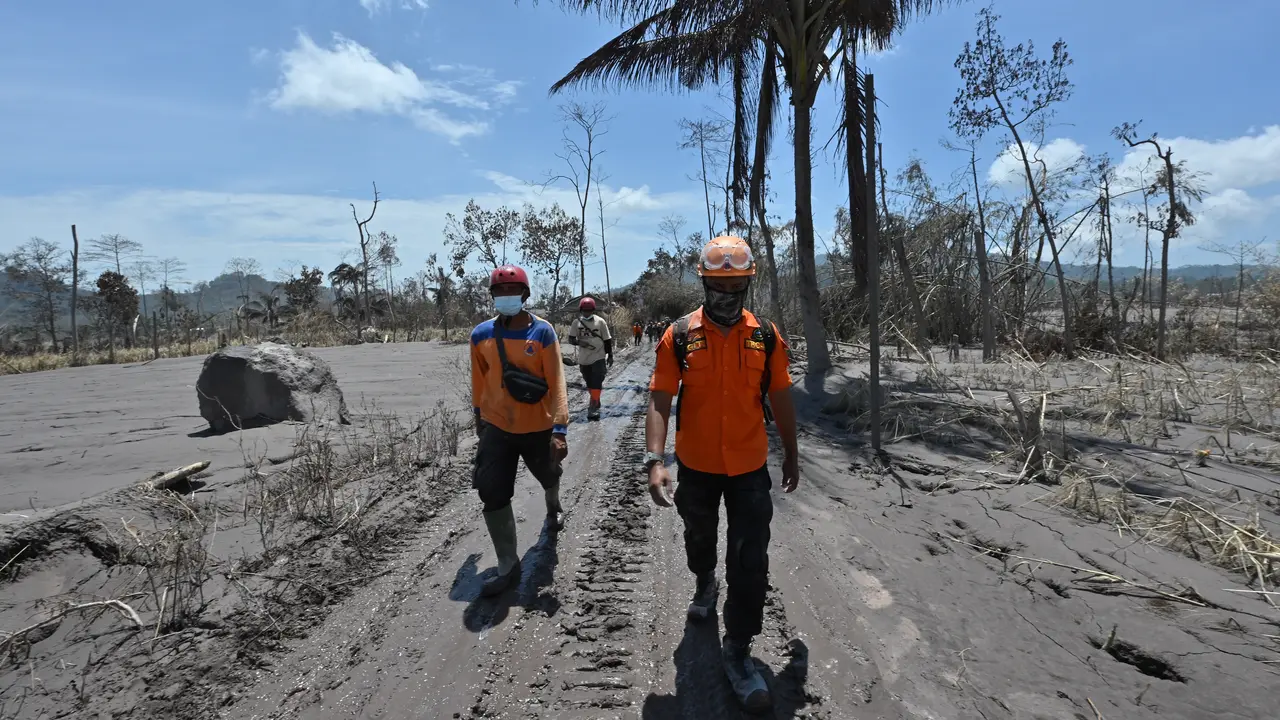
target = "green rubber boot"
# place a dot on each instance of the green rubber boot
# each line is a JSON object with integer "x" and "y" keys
{"x": 502, "y": 531}
{"x": 555, "y": 513}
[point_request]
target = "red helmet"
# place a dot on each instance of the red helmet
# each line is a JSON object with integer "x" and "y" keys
{"x": 587, "y": 303}
{"x": 509, "y": 274}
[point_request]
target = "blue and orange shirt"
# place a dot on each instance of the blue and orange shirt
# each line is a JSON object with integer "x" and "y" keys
{"x": 534, "y": 349}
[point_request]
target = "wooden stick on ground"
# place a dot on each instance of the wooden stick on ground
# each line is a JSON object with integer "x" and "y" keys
{"x": 164, "y": 481}
{"x": 117, "y": 605}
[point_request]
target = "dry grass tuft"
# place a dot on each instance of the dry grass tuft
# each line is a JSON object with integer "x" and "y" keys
{"x": 1231, "y": 536}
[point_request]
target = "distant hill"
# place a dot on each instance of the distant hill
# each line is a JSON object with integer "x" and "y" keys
{"x": 221, "y": 294}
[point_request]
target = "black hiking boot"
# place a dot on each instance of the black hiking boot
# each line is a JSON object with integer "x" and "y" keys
{"x": 704, "y": 597}
{"x": 748, "y": 686}
{"x": 593, "y": 410}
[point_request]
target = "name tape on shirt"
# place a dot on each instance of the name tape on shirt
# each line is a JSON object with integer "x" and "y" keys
{"x": 752, "y": 344}
{"x": 696, "y": 344}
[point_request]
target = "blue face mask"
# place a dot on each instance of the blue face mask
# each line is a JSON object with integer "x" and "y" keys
{"x": 508, "y": 305}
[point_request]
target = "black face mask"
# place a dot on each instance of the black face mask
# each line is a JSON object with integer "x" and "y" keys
{"x": 724, "y": 308}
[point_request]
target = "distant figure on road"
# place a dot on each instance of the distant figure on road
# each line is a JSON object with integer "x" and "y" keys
{"x": 724, "y": 363}
{"x": 590, "y": 333}
{"x": 636, "y": 331}
{"x": 518, "y": 393}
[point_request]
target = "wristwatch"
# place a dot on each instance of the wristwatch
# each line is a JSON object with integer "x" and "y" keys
{"x": 652, "y": 458}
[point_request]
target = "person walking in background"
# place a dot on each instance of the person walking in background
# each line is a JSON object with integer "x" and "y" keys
{"x": 590, "y": 334}
{"x": 522, "y": 412}
{"x": 636, "y": 331}
{"x": 731, "y": 376}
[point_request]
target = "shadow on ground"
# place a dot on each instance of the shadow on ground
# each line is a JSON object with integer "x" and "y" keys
{"x": 703, "y": 692}
{"x": 537, "y": 573}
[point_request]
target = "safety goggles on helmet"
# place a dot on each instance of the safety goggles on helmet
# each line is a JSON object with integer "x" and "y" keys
{"x": 736, "y": 256}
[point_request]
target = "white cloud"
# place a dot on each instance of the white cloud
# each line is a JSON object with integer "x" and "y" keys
{"x": 206, "y": 228}
{"x": 348, "y": 77}
{"x": 1060, "y": 154}
{"x": 1248, "y": 161}
{"x": 373, "y": 7}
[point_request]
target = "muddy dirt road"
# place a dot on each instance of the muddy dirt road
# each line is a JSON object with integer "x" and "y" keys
{"x": 596, "y": 628}
{"x": 927, "y": 589}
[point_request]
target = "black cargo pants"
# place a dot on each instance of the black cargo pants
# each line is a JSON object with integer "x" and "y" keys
{"x": 498, "y": 456}
{"x": 593, "y": 374}
{"x": 749, "y": 509}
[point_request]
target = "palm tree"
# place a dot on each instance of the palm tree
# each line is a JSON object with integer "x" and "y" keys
{"x": 265, "y": 309}
{"x": 343, "y": 277}
{"x": 692, "y": 43}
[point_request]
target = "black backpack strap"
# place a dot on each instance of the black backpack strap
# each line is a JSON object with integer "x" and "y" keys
{"x": 770, "y": 340}
{"x": 502, "y": 350}
{"x": 680, "y": 346}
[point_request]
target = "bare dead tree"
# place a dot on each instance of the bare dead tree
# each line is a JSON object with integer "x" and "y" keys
{"x": 142, "y": 271}
{"x": 485, "y": 234}
{"x": 1176, "y": 212}
{"x": 1242, "y": 254}
{"x": 1012, "y": 88}
{"x": 548, "y": 243}
{"x": 241, "y": 268}
{"x": 366, "y": 241}
{"x": 710, "y": 138}
{"x": 75, "y": 295}
{"x": 669, "y": 229}
{"x": 604, "y": 246}
{"x": 985, "y": 292}
{"x": 38, "y": 276}
{"x": 113, "y": 250}
{"x": 580, "y": 157}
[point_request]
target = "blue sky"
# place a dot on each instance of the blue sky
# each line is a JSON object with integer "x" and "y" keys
{"x": 212, "y": 130}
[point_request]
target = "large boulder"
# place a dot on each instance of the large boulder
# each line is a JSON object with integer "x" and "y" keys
{"x": 267, "y": 383}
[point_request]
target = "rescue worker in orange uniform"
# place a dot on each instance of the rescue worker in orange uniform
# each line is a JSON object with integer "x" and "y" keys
{"x": 522, "y": 412}
{"x": 721, "y": 360}
{"x": 636, "y": 331}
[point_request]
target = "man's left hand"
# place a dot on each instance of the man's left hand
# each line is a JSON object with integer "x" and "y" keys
{"x": 610, "y": 360}
{"x": 559, "y": 447}
{"x": 790, "y": 474}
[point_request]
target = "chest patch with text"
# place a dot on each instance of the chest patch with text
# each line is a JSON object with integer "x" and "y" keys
{"x": 753, "y": 344}
{"x": 697, "y": 343}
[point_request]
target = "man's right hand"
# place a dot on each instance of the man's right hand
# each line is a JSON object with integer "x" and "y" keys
{"x": 480, "y": 427}
{"x": 660, "y": 485}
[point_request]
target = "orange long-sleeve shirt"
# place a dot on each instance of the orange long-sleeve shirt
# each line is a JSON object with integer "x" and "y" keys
{"x": 534, "y": 349}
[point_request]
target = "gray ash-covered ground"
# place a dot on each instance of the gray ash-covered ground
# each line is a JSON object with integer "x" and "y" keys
{"x": 934, "y": 588}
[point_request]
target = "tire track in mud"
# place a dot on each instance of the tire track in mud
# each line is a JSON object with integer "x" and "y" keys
{"x": 587, "y": 660}
{"x": 538, "y": 573}
{"x": 602, "y": 634}
{"x": 687, "y": 679}
{"x": 375, "y": 664}
{"x": 536, "y": 671}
